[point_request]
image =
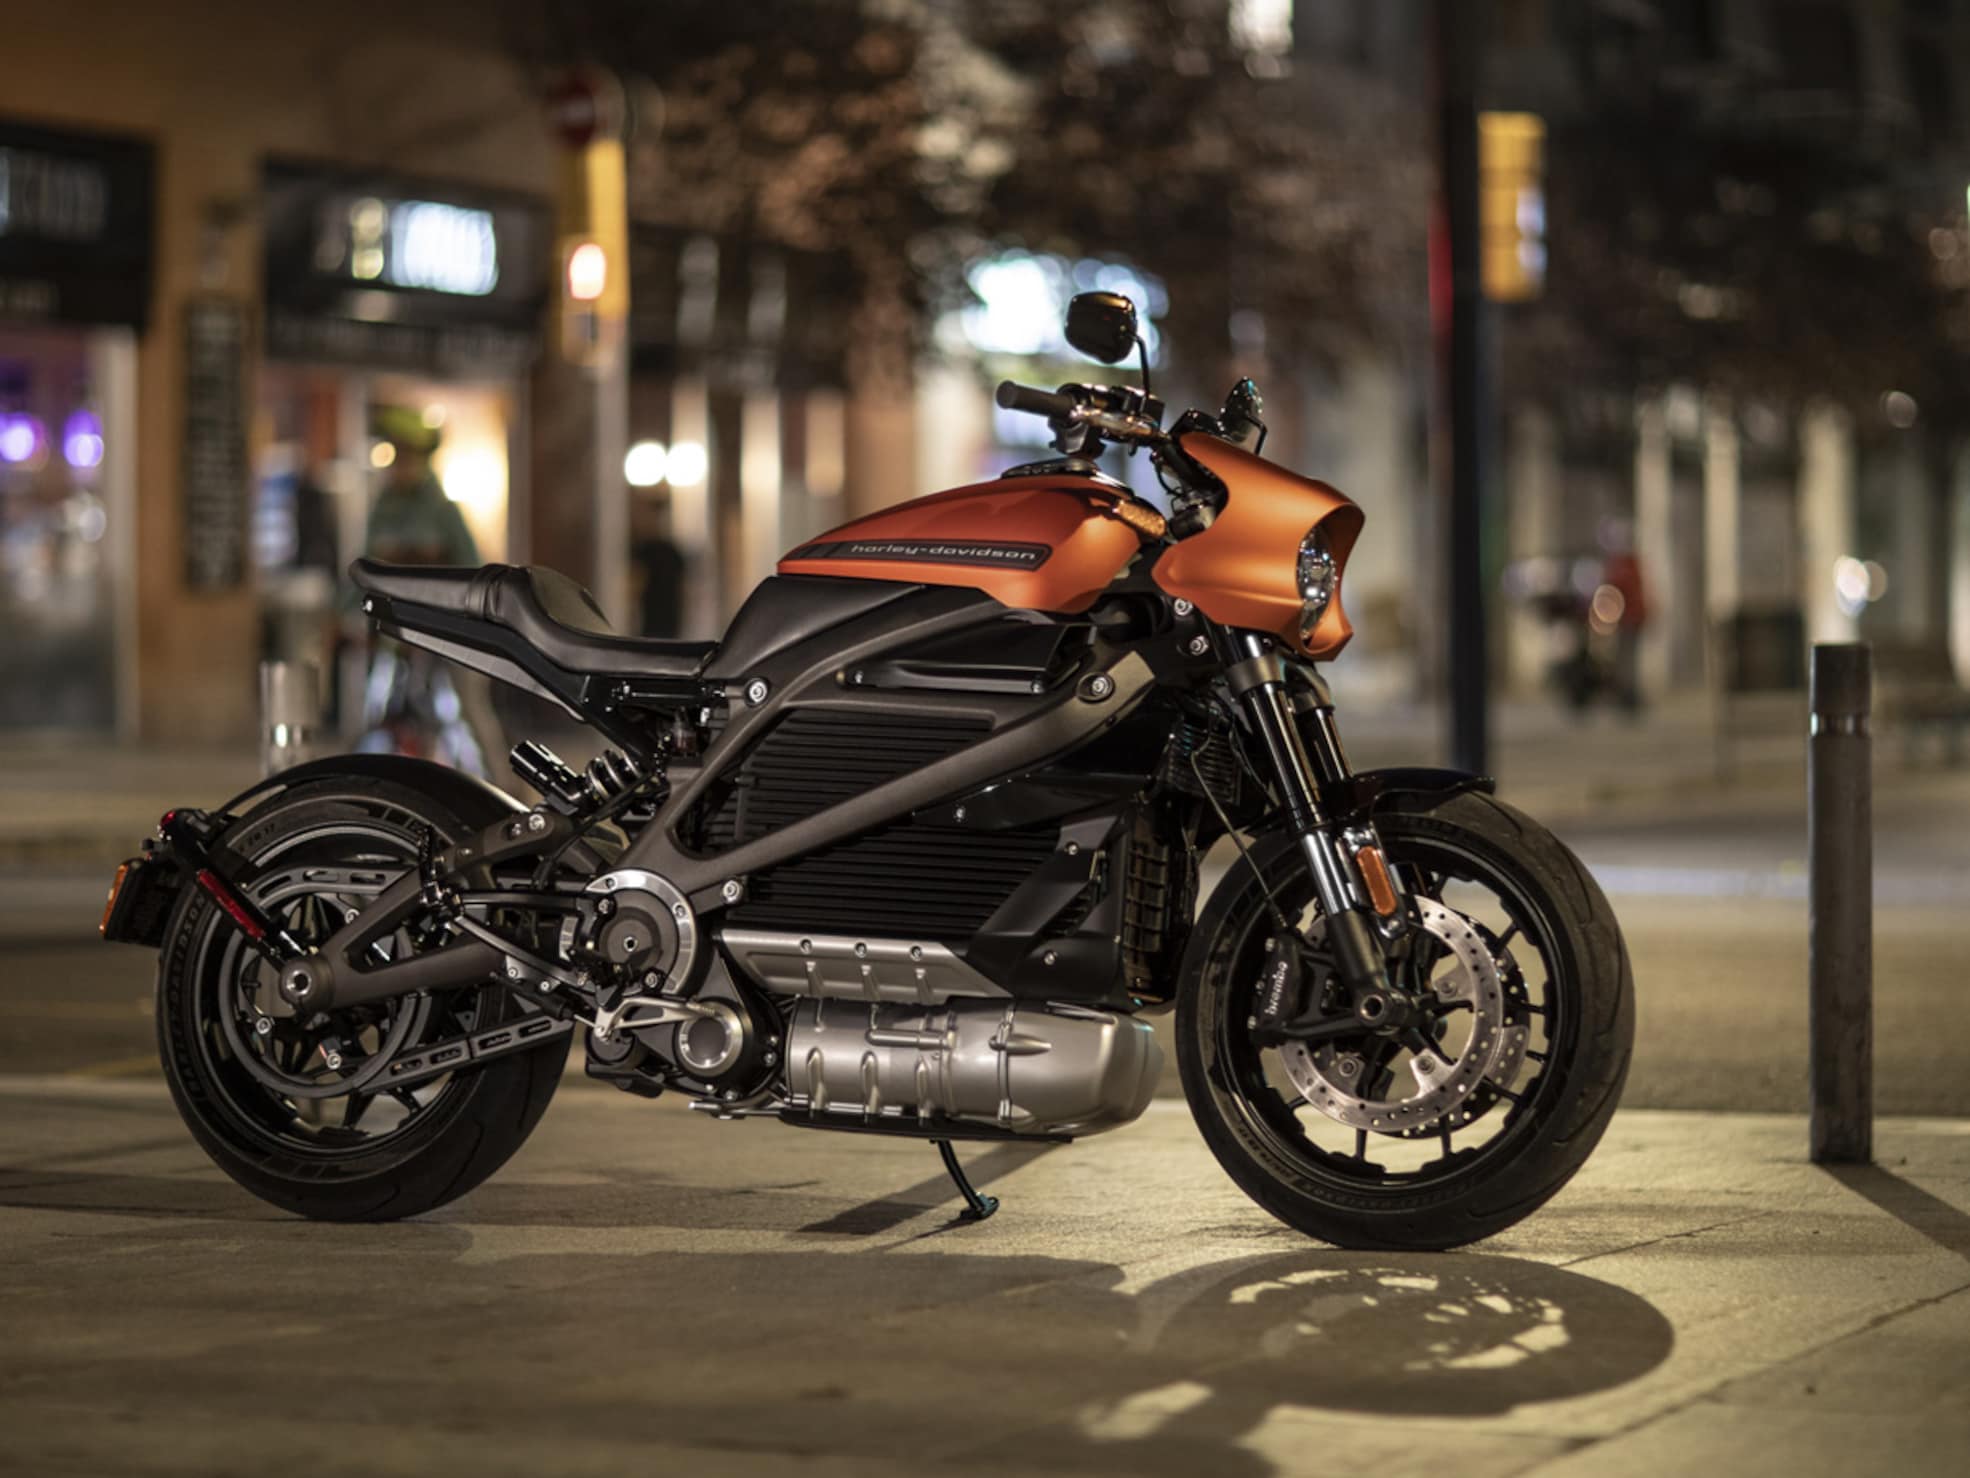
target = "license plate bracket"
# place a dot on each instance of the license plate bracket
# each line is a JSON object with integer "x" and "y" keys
{"x": 140, "y": 900}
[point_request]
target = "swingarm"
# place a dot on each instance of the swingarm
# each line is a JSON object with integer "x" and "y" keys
{"x": 350, "y": 966}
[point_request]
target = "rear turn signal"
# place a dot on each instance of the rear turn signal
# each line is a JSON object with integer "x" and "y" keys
{"x": 116, "y": 887}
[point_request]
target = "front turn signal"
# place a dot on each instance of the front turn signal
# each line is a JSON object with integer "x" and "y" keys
{"x": 1375, "y": 876}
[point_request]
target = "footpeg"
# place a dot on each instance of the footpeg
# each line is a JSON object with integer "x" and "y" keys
{"x": 976, "y": 1207}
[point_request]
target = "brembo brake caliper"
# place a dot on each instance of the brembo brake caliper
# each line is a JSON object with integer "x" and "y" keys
{"x": 1298, "y": 994}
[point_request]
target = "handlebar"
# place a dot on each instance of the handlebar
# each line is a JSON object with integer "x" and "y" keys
{"x": 1084, "y": 416}
{"x": 1049, "y": 403}
{"x": 1129, "y": 417}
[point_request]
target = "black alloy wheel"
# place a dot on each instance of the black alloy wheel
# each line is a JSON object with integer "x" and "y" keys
{"x": 1340, "y": 1139}
{"x": 295, "y": 1107}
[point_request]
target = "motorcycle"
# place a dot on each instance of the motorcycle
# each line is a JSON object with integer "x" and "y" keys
{"x": 915, "y": 850}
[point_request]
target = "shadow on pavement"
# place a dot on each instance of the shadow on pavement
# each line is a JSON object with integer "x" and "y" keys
{"x": 904, "y": 1352}
{"x": 872, "y": 1218}
{"x": 1909, "y": 1204}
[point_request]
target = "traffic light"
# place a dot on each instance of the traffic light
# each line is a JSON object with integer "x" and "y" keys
{"x": 1512, "y": 205}
{"x": 592, "y": 216}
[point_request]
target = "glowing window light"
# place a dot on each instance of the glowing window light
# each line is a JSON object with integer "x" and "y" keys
{"x": 1264, "y": 26}
{"x": 366, "y": 221}
{"x": 687, "y": 464}
{"x": 588, "y": 272}
{"x": 82, "y": 440}
{"x": 644, "y": 464}
{"x": 475, "y": 477}
{"x": 1022, "y": 303}
{"x": 20, "y": 436}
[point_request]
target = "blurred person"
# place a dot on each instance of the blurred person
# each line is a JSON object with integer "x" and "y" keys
{"x": 413, "y": 703}
{"x": 659, "y": 567}
{"x": 412, "y": 522}
{"x": 1620, "y": 605}
{"x": 302, "y": 619}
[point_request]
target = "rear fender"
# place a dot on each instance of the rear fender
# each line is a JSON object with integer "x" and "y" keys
{"x": 197, "y": 843}
{"x": 475, "y": 801}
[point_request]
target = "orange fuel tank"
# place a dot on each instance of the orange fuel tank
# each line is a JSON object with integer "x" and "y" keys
{"x": 1049, "y": 542}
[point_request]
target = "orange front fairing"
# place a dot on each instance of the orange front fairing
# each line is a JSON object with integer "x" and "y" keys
{"x": 1046, "y": 543}
{"x": 1241, "y": 570}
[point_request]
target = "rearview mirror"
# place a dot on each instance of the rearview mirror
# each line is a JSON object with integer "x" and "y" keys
{"x": 1102, "y": 326}
{"x": 1243, "y": 416}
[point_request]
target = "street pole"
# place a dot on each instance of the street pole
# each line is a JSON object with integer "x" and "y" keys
{"x": 1457, "y": 306}
{"x": 1840, "y": 846}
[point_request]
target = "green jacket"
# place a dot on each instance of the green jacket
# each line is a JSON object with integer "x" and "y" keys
{"x": 418, "y": 525}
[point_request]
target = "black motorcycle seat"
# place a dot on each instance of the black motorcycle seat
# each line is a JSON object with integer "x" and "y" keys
{"x": 546, "y": 609}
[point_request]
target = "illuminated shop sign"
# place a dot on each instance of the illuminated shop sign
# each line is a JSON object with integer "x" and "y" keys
{"x": 75, "y": 226}
{"x": 425, "y": 244}
{"x": 403, "y": 273}
{"x": 55, "y": 199}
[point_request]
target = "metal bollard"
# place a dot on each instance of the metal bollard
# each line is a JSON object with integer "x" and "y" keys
{"x": 290, "y": 712}
{"x": 1840, "y": 844}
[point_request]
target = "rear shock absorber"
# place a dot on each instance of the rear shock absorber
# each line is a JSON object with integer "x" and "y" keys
{"x": 609, "y": 776}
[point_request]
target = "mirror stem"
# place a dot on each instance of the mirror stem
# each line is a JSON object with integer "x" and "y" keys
{"x": 1142, "y": 349}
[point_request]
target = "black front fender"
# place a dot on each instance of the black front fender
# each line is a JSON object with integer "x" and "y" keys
{"x": 1398, "y": 780}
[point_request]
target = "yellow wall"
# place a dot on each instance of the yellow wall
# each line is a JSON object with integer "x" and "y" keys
{"x": 414, "y": 88}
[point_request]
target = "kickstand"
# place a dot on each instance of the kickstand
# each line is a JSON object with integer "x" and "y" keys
{"x": 976, "y": 1207}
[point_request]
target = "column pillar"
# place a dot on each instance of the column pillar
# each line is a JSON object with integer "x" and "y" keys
{"x": 1722, "y": 502}
{"x": 1532, "y": 490}
{"x": 1654, "y": 541}
{"x": 1959, "y": 565}
{"x": 1826, "y": 518}
{"x": 881, "y": 448}
{"x": 759, "y": 488}
{"x": 692, "y": 526}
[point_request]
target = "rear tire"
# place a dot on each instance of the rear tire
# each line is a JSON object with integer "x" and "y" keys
{"x": 1544, "y": 1139}
{"x": 294, "y": 1152}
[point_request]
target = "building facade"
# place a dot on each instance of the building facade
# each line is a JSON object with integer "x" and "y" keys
{"x": 226, "y": 243}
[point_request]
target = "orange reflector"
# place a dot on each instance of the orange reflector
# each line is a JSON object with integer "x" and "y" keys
{"x": 1375, "y": 873}
{"x": 115, "y": 887}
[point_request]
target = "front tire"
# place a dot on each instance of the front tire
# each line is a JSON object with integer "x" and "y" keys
{"x": 259, "y": 1088}
{"x": 1538, "y": 1128}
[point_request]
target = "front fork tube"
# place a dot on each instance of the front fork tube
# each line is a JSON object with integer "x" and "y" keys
{"x": 1259, "y": 681}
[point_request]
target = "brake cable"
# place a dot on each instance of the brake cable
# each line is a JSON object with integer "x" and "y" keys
{"x": 1272, "y": 902}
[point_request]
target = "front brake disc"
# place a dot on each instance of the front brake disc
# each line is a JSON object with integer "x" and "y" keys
{"x": 1330, "y": 1076}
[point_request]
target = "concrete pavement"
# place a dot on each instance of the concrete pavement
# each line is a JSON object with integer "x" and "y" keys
{"x": 645, "y": 1291}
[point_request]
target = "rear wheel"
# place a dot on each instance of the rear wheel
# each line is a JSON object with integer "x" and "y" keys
{"x": 1462, "y": 1124}
{"x": 295, "y": 1108}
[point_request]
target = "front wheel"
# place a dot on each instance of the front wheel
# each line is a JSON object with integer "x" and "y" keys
{"x": 1484, "y": 1106}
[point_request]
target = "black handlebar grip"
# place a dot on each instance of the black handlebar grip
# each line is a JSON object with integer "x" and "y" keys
{"x": 1050, "y": 403}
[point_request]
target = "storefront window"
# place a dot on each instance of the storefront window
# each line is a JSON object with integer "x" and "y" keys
{"x": 57, "y": 663}
{"x": 75, "y": 259}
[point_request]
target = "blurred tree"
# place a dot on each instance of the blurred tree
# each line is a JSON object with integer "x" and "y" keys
{"x": 1716, "y": 246}
{"x": 915, "y": 135}
{"x": 1287, "y": 193}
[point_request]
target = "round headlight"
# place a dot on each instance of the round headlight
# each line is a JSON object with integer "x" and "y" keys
{"x": 1317, "y": 575}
